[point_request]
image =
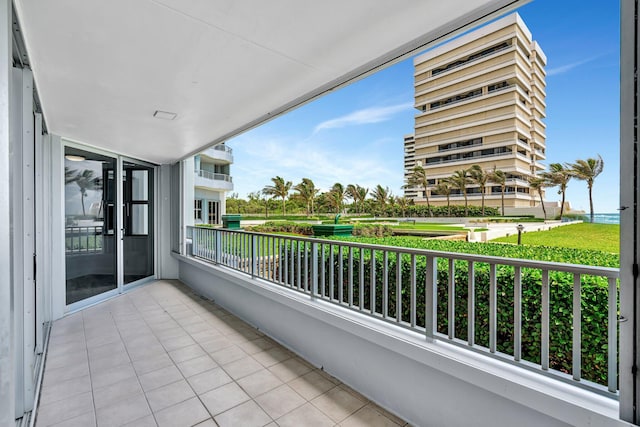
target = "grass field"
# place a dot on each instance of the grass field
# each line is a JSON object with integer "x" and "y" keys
{"x": 602, "y": 237}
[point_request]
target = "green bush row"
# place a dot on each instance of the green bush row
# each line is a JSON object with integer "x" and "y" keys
{"x": 436, "y": 211}
{"x": 594, "y": 299}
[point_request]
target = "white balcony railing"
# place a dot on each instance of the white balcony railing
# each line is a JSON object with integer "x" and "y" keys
{"x": 213, "y": 175}
{"x": 83, "y": 239}
{"x": 438, "y": 293}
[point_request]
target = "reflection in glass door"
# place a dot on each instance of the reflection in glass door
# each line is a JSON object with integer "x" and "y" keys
{"x": 90, "y": 224}
{"x": 138, "y": 254}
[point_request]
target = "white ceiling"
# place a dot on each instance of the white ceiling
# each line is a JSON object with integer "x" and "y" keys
{"x": 103, "y": 68}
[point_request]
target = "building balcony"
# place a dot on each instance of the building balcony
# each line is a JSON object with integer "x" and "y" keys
{"x": 220, "y": 154}
{"x": 213, "y": 181}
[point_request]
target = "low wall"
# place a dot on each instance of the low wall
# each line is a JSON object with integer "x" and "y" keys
{"x": 424, "y": 382}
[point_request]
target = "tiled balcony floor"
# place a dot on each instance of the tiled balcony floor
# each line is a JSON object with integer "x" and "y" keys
{"x": 161, "y": 355}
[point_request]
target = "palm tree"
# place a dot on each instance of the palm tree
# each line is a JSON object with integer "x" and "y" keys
{"x": 362, "y": 194}
{"x": 381, "y": 195}
{"x": 418, "y": 178}
{"x": 337, "y": 196}
{"x": 306, "y": 191}
{"x": 480, "y": 177}
{"x": 558, "y": 176}
{"x": 459, "y": 180}
{"x": 352, "y": 193}
{"x": 402, "y": 203}
{"x": 499, "y": 177}
{"x": 537, "y": 184}
{"x": 86, "y": 181}
{"x": 279, "y": 189}
{"x": 444, "y": 189}
{"x": 587, "y": 170}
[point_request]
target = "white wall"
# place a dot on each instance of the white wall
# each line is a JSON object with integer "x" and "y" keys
{"x": 425, "y": 383}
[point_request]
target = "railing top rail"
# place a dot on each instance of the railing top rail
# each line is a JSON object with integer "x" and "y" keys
{"x": 608, "y": 272}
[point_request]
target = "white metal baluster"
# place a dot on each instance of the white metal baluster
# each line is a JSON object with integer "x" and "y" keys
{"x": 361, "y": 281}
{"x": 612, "y": 339}
{"x": 331, "y": 272}
{"x": 412, "y": 306}
{"x": 322, "y": 271}
{"x": 385, "y": 284}
{"x": 471, "y": 304}
{"x": 544, "y": 356}
{"x": 350, "y": 290}
{"x": 517, "y": 313}
{"x": 340, "y": 276}
{"x": 372, "y": 291}
{"x": 314, "y": 269}
{"x": 431, "y": 296}
{"x": 451, "y": 303}
{"x": 577, "y": 328}
{"x": 493, "y": 308}
{"x": 398, "y": 287}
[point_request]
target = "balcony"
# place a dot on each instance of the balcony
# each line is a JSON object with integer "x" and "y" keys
{"x": 339, "y": 300}
{"x": 219, "y": 154}
{"x": 213, "y": 181}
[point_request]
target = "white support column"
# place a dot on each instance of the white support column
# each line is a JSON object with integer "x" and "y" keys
{"x": 629, "y": 217}
{"x": 7, "y": 390}
{"x": 167, "y": 265}
{"x": 188, "y": 180}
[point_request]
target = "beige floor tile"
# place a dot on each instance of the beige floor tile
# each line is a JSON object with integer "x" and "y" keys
{"x": 187, "y": 353}
{"x": 112, "y": 393}
{"x": 148, "y": 421}
{"x": 108, "y": 362}
{"x": 311, "y": 385}
{"x": 242, "y": 367}
{"x": 259, "y": 382}
{"x": 61, "y": 361}
{"x": 223, "y": 398}
{"x": 247, "y": 414}
{"x": 306, "y": 415}
{"x": 65, "y": 409}
{"x": 195, "y": 366}
{"x": 368, "y": 417}
{"x": 257, "y": 345}
{"x": 177, "y": 342}
{"x": 187, "y": 413}
{"x": 227, "y": 355}
{"x": 290, "y": 369}
{"x": 58, "y": 375}
{"x": 272, "y": 356}
{"x": 169, "y": 395}
{"x": 123, "y": 411}
{"x": 280, "y": 401}
{"x": 207, "y": 423}
{"x": 338, "y": 403}
{"x": 143, "y": 366}
{"x": 208, "y": 380}
{"x": 160, "y": 377}
{"x": 112, "y": 376}
{"x": 88, "y": 419}
{"x": 60, "y": 391}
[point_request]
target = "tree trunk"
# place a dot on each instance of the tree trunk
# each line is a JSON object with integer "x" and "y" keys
{"x": 502, "y": 197}
{"x": 482, "y": 192}
{"x": 591, "y": 202}
{"x": 544, "y": 211}
{"x": 82, "y": 193}
{"x": 562, "y": 205}
{"x": 466, "y": 205}
{"x": 426, "y": 196}
{"x": 283, "y": 206}
{"x": 448, "y": 206}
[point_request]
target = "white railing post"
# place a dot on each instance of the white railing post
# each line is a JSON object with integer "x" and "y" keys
{"x": 431, "y": 296}
{"x": 254, "y": 256}
{"x": 314, "y": 269}
{"x": 217, "y": 238}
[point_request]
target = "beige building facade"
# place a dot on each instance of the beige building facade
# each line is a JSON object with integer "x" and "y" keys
{"x": 481, "y": 99}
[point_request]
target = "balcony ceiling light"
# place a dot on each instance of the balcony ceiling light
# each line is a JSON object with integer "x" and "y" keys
{"x": 75, "y": 158}
{"x": 164, "y": 115}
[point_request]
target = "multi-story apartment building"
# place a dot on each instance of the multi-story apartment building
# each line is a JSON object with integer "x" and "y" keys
{"x": 481, "y": 99}
{"x": 212, "y": 182}
{"x": 409, "y": 164}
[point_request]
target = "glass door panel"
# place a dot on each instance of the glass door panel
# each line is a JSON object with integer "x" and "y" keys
{"x": 137, "y": 185}
{"x": 90, "y": 224}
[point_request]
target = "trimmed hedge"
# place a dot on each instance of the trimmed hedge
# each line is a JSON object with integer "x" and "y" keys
{"x": 421, "y": 211}
{"x": 594, "y": 297}
{"x": 282, "y": 227}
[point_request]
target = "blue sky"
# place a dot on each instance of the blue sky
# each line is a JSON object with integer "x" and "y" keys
{"x": 355, "y": 135}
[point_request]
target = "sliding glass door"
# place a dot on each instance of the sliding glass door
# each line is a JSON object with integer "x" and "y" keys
{"x": 106, "y": 247}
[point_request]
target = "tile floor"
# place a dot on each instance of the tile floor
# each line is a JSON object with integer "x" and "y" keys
{"x": 162, "y": 356}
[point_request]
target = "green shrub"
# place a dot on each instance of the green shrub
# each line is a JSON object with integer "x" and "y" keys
{"x": 372, "y": 230}
{"x": 282, "y": 227}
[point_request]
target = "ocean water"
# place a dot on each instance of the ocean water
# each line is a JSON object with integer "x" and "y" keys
{"x": 605, "y": 218}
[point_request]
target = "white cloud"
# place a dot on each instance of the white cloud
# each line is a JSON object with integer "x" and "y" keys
{"x": 365, "y": 116}
{"x": 568, "y": 67}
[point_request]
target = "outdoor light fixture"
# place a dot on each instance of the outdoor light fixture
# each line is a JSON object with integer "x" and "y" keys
{"x": 75, "y": 158}
{"x": 164, "y": 115}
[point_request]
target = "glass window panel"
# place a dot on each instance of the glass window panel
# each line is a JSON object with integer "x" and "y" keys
{"x": 139, "y": 219}
{"x": 139, "y": 185}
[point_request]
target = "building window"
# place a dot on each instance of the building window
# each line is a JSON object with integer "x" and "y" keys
{"x": 197, "y": 209}
{"x": 213, "y": 215}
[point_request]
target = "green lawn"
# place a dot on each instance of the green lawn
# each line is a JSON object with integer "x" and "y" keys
{"x": 602, "y": 237}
